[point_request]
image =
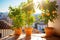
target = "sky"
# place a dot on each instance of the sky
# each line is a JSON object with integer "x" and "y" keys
{"x": 4, "y": 4}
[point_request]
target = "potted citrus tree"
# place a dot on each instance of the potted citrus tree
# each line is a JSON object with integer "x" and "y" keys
{"x": 28, "y": 28}
{"x": 49, "y": 13}
{"x": 18, "y": 18}
{"x": 30, "y": 19}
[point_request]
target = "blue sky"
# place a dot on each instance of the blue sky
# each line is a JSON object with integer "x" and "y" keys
{"x": 4, "y": 4}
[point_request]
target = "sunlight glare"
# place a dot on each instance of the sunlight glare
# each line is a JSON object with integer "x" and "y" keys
{"x": 38, "y": 11}
{"x": 36, "y": 2}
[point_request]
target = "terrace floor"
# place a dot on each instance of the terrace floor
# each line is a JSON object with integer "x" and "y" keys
{"x": 32, "y": 37}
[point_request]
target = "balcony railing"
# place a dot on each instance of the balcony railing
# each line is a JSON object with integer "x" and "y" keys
{"x": 5, "y": 28}
{"x": 5, "y": 32}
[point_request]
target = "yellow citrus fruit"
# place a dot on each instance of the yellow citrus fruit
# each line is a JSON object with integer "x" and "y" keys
{"x": 30, "y": 12}
{"x": 48, "y": 14}
{"x": 43, "y": 14}
{"x": 42, "y": 8}
{"x": 53, "y": 12}
{"x": 23, "y": 17}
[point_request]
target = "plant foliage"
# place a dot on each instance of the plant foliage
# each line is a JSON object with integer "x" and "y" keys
{"x": 49, "y": 11}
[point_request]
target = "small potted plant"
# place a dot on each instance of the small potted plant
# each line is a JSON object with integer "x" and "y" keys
{"x": 30, "y": 19}
{"x": 29, "y": 29}
{"x": 49, "y": 13}
{"x": 18, "y": 18}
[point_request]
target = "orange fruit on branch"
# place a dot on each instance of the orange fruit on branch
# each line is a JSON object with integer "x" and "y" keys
{"x": 48, "y": 14}
{"x": 43, "y": 14}
{"x": 53, "y": 12}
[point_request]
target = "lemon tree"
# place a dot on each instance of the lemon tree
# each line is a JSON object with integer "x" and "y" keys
{"x": 18, "y": 17}
{"x": 49, "y": 11}
{"x": 28, "y": 8}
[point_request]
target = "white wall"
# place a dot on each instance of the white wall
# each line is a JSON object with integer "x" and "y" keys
{"x": 56, "y": 24}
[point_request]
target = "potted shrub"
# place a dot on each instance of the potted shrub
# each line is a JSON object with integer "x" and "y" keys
{"x": 18, "y": 18}
{"x": 30, "y": 19}
{"x": 49, "y": 13}
{"x": 28, "y": 28}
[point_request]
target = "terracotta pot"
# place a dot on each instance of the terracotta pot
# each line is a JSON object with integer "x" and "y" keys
{"x": 49, "y": 31}
{"x": 28, "y": 31}
{"x": 18, "y": 31}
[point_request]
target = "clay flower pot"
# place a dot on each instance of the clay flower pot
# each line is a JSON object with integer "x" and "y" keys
{"x": 18, "y": 31}
{"x": 28, "y": 31}
{"x": 49, "y": 31}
